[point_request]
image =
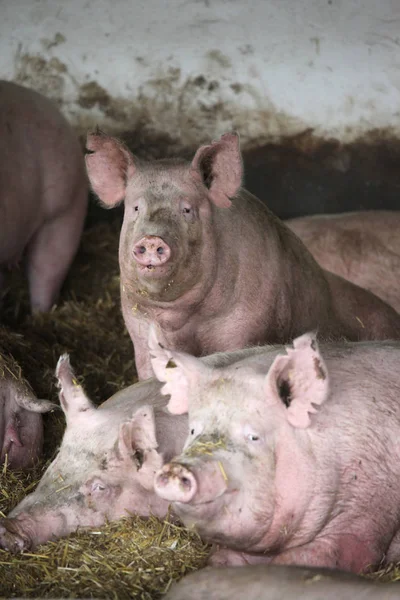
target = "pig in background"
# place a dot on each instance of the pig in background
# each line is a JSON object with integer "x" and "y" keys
{"x": 105, "y": 466}
{"x": 211, "y": 265}
{"x": 268, "y": 582}
{"x": 21, "y": 426}
{"x": 43, "y": 191}
{"x": 362, "y": 247}
{"x": 292, "y": 457}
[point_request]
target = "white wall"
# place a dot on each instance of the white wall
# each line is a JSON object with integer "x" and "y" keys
{"x": 196, "y": 68}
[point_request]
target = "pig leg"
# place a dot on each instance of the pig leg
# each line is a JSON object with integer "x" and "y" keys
{"x": 50, "y": 254}
{"x": 139, "y": 332}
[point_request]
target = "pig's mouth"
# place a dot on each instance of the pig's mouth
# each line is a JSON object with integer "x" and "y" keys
{"x": 152, "y": 271}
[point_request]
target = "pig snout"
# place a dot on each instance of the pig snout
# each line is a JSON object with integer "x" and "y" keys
{"x": 175, "y": 483}
{"x": 151, "y": 251}
{"x": 12, "y": 538}
{"x": 203, "y": 483}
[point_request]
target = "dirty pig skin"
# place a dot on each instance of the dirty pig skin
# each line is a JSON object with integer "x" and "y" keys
{"x": 293, "y": 456}
{"x": 211, "y": 265}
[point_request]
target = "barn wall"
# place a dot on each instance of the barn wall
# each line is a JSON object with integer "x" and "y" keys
{"x": 192, "y": 69}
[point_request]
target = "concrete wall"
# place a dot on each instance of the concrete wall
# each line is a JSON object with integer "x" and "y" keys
{"x": 193, "y": 69}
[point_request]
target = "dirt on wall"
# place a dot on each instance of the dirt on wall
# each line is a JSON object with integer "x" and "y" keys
{"x": 290, "y": 167}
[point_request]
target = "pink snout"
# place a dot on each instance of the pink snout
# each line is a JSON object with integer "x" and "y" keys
{"x": 151, "y": 251}
{"x": 175, "y": 483}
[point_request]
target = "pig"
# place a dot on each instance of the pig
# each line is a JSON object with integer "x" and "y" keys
{"x": 21, "y": 426}
{"x": 105, "y": 466}
{"x": 362, "y": 247}
{"x": 293, "y": 456}
{"x": 269, "y": 582}
{"x": 43, "y": 191}
{"x": 211, "y": 265}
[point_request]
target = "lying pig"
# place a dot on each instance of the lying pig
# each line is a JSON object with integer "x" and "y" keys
{"x": 43, "y": 191}
{"x": 106, "y": 463}
{"x": 261, "y": 582}
{"x": 363, "y": 247}
{"x": 211, "y": 264}
{"x": 21, "y": 427}
{"x": 293, "y": 457}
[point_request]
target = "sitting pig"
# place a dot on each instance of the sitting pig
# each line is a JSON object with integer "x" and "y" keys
{"x": 43, "y": 191}
{"x": 105, "y": 467}
{"x": 293, "y": 457}
{"x": 21, "y": 427}
{"x": 212, "y": 265}
{"x": 363, "y": 247}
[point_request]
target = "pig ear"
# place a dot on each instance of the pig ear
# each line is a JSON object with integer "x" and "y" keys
{"x": 177, "y": 369}
{"x": 139, "y": 433}
{"x": 109, "y": 165}
{"x": 299, "y": 381}
{"x": 72, "y": 396}
{"x": 220, "y": 167}
{"x": 137, "y": 442}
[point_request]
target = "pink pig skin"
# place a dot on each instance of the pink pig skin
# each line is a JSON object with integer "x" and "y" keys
{"x": 301, "y": 448}
{"x": 279, "y": 583}
{"x": 105, "y": 466}
{"x": 211, "y": 265}
{"x": 363, "y": 247}
{"x": 21, "y": 426}
{"x": 43, "y": 191}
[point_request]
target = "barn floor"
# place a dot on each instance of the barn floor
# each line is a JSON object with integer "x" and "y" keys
{"x": 134, "y": 558}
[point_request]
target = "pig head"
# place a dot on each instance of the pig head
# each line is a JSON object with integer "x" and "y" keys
{"x": 21, "y": 426}
{"x": 105, "y": 466}
{"x": 289, "y": 466}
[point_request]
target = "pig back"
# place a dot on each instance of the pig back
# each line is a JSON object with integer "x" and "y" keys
{"x": 260, "y": 582}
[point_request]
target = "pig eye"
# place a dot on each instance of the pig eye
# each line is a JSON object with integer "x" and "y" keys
{"x": 192, "y": 431}
{"x": 136, "y": 208}
{"x": 252, "y": 437}
{"x": 97, "y": 486}
{"x": 186, "y": 209}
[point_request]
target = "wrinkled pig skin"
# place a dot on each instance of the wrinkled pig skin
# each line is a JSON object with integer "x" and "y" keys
{"x": 21, "y": 426}
{"x": 269, "y": 582}
{"x": 105, "y": 466}
{"x": 211, "y": 265}
{"x": 293, "y": 456}
{"x": 43, "y": 191}
{"x": 363, "y": 247}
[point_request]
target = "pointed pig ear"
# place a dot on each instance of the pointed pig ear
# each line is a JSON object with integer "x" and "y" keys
{"x": 72, "y": 396}
{"x": 109, "y": 165}
{"x": 221, "y": 169}
{"x": 299, "y": 381}
{"x": 177, "y": 369}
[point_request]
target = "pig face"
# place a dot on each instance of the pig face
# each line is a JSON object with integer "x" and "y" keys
{"x": 238, "y": 477}
{"x": 169, "y": 204}
{"x": 103, "y": 471}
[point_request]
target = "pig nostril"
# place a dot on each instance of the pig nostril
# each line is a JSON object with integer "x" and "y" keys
{"x": 160, "y": 250}
{"x": 141, "y": 249}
